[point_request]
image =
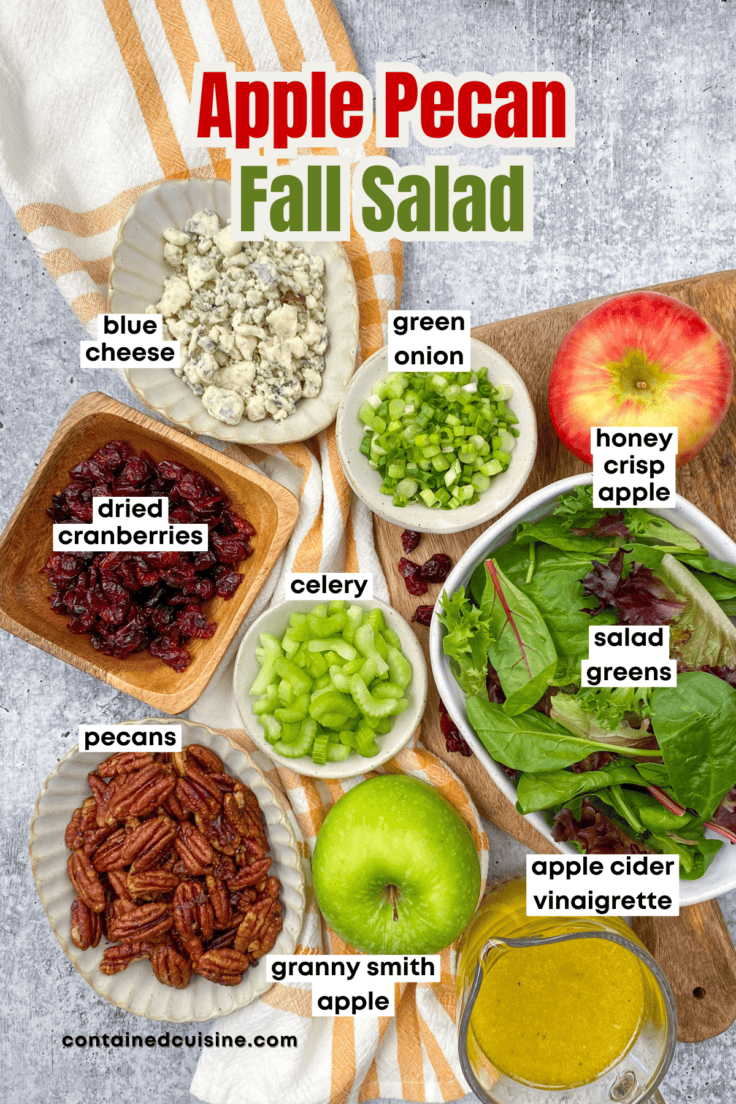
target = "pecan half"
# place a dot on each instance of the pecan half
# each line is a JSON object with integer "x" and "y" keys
{"x": 193, "y": 913}
{"x": 151, "y": 883}
{"x": 198, "y": 793}
{"x": 86, "y": 881}
{"x": 119, "y": 958}
{"x": 139, "y": 793}
{"x": 103, "y": 794}
{"x": 171, "y": 967}
{"x": 146, "y": 843}
{"x": 194, "y": 850}
{"x": 86, "y": 925}
{"x": 108, "y": 855}
{"x": 205, "y": 758}
{"x": 147, "y": 922}
{"x": 219, "y": 896}
{"x": 124, "y": 762}
{"x": 250, "y": 875}
{"x": 257, "y": 920}
{"x": 224, "y": 965}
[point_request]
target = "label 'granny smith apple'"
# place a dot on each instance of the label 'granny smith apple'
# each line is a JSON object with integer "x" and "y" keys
{"x": 395, "y": 868}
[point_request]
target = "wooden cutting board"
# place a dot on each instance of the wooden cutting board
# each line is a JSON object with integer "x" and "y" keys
{"x": 695, "y": 950}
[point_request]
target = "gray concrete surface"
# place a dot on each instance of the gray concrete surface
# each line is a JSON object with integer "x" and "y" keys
{"x": 646, "y": 195}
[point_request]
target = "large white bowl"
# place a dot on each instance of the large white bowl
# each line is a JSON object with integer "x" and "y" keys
{"x": 276, "y": 621}
{"x": 136, "y": 280}
{"x": 136, "y": 989}
{"x": 720, "y": 877}
{"x": 366, "y": 481}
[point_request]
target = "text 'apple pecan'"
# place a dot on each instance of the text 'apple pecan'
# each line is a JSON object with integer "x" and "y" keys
{"x": 169, "y": 861}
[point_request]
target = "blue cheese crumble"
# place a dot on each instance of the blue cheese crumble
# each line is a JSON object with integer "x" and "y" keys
{"x": 250, "y": 319}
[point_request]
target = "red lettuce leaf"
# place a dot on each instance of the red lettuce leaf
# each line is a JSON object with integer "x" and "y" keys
{"x": 596, "y": 833}
{"x": 639, "y": 599}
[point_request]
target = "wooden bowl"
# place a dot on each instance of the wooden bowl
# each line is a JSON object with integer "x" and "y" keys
{"x": 25, "y": 546}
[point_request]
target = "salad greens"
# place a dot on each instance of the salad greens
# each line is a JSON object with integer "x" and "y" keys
{"x": 621, "y": 768}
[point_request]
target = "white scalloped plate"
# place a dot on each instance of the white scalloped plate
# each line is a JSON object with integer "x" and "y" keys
{"x": 136, "y": 989}
{"x": 136, "y": 280}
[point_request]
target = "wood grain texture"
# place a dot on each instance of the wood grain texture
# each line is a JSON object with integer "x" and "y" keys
{"x": 25, "y": 546}
{"x": 696, "y": 953}
{"x": 530, "y": 343}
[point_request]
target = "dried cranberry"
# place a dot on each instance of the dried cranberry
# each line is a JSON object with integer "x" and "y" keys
{"x": 408, "y": 569}
{"x": 172, "y": 654}
{"x": 423, "y": 614}
{"x": 227, "y": 583}
{"x": 435, "y": 569}
{"x": 453, "y": 739}
{"x": 194, "y": 623}
{"x": 409, "y": 540}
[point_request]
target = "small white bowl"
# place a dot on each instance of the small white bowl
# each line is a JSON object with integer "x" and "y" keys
{"x": 720, "y": 877}
{"x": 276, "y": 621}
{"x": 136, "y": 280}
{"x": 366, "y": 481}
{"x": 136, "y": 989}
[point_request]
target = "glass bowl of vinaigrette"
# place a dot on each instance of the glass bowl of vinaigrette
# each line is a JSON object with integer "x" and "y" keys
{"x": 573, "y": 1010}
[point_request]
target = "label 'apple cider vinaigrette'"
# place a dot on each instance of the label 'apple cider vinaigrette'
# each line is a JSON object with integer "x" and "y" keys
{"x": 557, "y": 1016}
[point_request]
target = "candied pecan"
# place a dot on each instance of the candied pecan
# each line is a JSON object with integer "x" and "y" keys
{"x": 193, "y": 913}
{"x": 86, "y": 925}
{"x": 220, "y": 900}
{"x": 119, "y": 958}
{"x": 268, "y": 934}
{"x": 174, "y": 807}
{"x": 198, "y": 793}
{"x": 224, "y": 867}
{"x": 257, "y": 920}
{"x": 103, "y": 794}
{"x": 118, "y": 880}
{"x": 194, "y": 849}
{"x": 250, "y": 875}
{"x": 206, "y": 759}
{"x": 236, "y": 814}
{"x": 151, "y": 883}
{"x": 171, "y": 967}
{"x": 123, "y": 762}
{"x": 108, "y": 855}
{"x": 139, "y": 793}
{"x": 74, "y": 834}
{"x": 224, "y": 965}
{"x": 146, "y": 922}
{"x": 219, "y": 833}
{"x": 146, "y": 843}
{"x": 224, "y": 782}
{"x": 86, "y": 881}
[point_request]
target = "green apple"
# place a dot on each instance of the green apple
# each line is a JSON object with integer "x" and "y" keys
{"x": 395, "y": 868}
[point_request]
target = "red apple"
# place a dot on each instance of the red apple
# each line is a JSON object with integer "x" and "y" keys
{"x": 641, "y": 359}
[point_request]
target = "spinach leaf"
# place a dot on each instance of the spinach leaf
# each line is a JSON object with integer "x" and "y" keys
{"x": 709, "y": 565}
{"x": 695, "y": 851}
{"x": 719, "y": 588}
{"x": 531, "y": 741}
{"x": 553, "y": 531}
{"x": 548, "y": 789}
{"x": 649, "y": 527}
{"x": 694, "y": 725}
{"x": 520, "y": 646}
{"x": 556, "y": 590}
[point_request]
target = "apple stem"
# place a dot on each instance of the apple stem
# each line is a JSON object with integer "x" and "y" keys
{"x": 393, "y": 896}
{"x": 641, "y": 384}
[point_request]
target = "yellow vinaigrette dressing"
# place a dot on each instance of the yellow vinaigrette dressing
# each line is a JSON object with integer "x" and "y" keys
{"x": 552, "y": 1017}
